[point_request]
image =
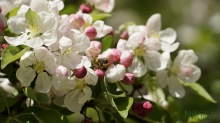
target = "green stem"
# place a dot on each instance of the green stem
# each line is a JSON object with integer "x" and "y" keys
{"x": 9, "y": 113}
{"x": 122, "y": 87}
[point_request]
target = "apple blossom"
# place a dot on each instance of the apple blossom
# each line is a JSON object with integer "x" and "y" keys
{"x": 183, "y": 68}
{"x": 103, "y": 5}
{"x": 94, "y": 50}
{"x": 115, "y": 73}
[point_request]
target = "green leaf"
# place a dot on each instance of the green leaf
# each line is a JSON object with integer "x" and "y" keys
{"x": 3, "y": 119}
{"x": 173, "y": 108}
{"x": 111, "y": 89}
{"x": 10, "y": 101}
{"x": 25, "y": 118}
{"x": 11, "y": 53}
{"x": 13, "y": 12}
{"x": 32, "y": 16}
{"x": 7, "y": 70}
{"x": 99, "y": 16}
{"x": 123, "y": 105}
{"x": 198, "y": 89}
{"x": 29, "y": 92}
{"x": 50, "y": 116}
{"x": 42, "y": 97}
{"x": 107, "y": 42}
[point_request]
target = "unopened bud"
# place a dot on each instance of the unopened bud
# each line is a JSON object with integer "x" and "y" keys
{"x": 147, "y": 106}
{"x": 85, "y": 8}
{"x": 95, "y": 49}
{"x": 124, "y": 35}
{"x": 61, "y": 71}
{"x": 116, "y": 54}
{"x": 91, "y": 32}
{"x": 129, "y": 79}
{"x": 136, "y": 107}
{"x": 80, "y": 72}
{"x": 0, "y": 9}
{"x": 126, "y": 58}
{"x": 4, "y": 46}
{"x": 76, "y": 21}
{"x": 100, "y": 74}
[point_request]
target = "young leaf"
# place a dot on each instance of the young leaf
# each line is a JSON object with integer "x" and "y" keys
{"x": 13, "y": 12}
{"x": 198, "y": 89}
{"x": 32, "y": 16}
{"x": 106, "y": 42}
{"x": 29, "y": 92}
{"x": 99, "y": 16}
{"x": 123, "y": 105}
{"x": 12, "y": 53}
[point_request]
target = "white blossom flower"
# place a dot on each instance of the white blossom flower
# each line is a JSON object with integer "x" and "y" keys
{"x": 183, "y": 68}
{"x": 40, "y": 63}
{"x": 103, "y": 5}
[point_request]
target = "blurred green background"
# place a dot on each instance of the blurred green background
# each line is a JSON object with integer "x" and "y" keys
{"x": 197, "y": 23}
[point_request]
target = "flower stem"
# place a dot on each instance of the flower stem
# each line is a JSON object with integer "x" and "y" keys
{"x": 122, "y": 87}
{"x": 98, "y": 114}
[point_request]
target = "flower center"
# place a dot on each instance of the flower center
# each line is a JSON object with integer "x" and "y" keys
{"x": 38, "y": 66}
{"x": 35, "y": 31}
{"x": 155, "y": 35}
{"x": 175, "y": 70}
{"x": 80, "y": 83}
{"x": 67, "y": 51}
{"x": 139, "y": 51}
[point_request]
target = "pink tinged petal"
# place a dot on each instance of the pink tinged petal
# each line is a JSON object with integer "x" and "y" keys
{"x": 71, "y": 60}
{"x": 137, "y": 68}
{"x": 85, "y": 8}
{"x": 154, "y": 23}
{"x": 85, "y": 95}
{"x": 14, "y": 41}
{"x": 61, "y": 71}
{"x": 185, "y": 57}
{"x": 124, "y": 35}
{"x": 64, "y": 28}
{"x": 152, "y": 44}
{"x": 100, "y": 73}
{"x": 34, "y": 42}
{"x": 91, "y": 78}
{"x": 168, "y": 35}
{"x": 95, "y": 49}
{"x": 129, "y": 79}
{"x": 126, "y": 58}
{"x": 189, "y": 73}
{"x": 76, "y": 21}
{"x": 175, "y": 88}
{"x": 115, "y": 73}
{"x": 169, "y": 47}
{"x": 116, "y": 54}
{"x": 162, "y": 78}
{"x": 25, "y": 75}
{"x": 43, "y": 82}
{"x": 153, "y": 60}
{"x": 109, "y": 55}
{"x": 71, "y": 101}
{"x": 91, "y": 32}
{"x": 105, "y": 5}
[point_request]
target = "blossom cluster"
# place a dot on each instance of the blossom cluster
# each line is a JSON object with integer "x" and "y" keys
{"x": 65, "y": 55}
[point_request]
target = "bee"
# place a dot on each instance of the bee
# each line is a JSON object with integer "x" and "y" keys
{"x": 100, "y": 63}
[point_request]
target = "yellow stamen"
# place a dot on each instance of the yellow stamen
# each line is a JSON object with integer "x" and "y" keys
{"x": 80, "y": 83}
{"x": 175, "y": 70}
{"x": 155, "y": 35}
{"x": 38, "y": 66}
{"x": 139, "y": 51}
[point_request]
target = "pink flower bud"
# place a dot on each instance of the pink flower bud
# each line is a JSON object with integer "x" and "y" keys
{"x": 116, "y": 54}
{"x": 85, "y": 8}
{"x": 95, "y": 49}
{"x": 4, "y": 46}
{"x": 124, "y": 35}
{"x": 0, "y": 9}
{"x": 91, "y": 32}
{"x": 76, "y": 21}
{"x": 61, "y": 71}
{"x": 147, "y": 106}
{"x": 80, "y": 72}
{"x": 100, "y": 74}
{"x": 1, "y": 26}
{"x": 126, "y": 58}
{"x": 136, "y": 107}
{"x": 129, "y": 79}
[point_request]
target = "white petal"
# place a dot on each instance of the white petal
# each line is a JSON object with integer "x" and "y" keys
{"x": 91, "y": 77}
{"x": 43, "y": 82}
{"x": 185, "y": 57}
{"x": 161, "y": 78}
{"x": 105, "y": 5}
{"x": 14, "y": 41}
{"x": 65, "y": 43}
{"x": 152, "y": 44}
{"x": 80, "y": 42}
{"x": 168, "y": 35}
{"x": 27, "y": 59}
{"x": 154, "y": 23}
{"x": 121, "y": 45}
{"x": 137, "y": 68}
{"x": 85, "y": 95}
{"x": 101, "y": 28}
{"x": 39, "y": 5}
{"x": 71, "y": 101}
{"x": 71, "y": 60}
{"x": 175, "y": 88}
{"x": 48, "y": 22}
{"x": 115, "y": 73}
{"x": 153, "y": 60}
{"x": 169, "y": 47}
{"x": 189, "y": 73}
{"x": 59, "y": 101}
{"x": 34, "y": 42}
{"x": 25, "y": 75}
{"x": 18, "y": 24}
